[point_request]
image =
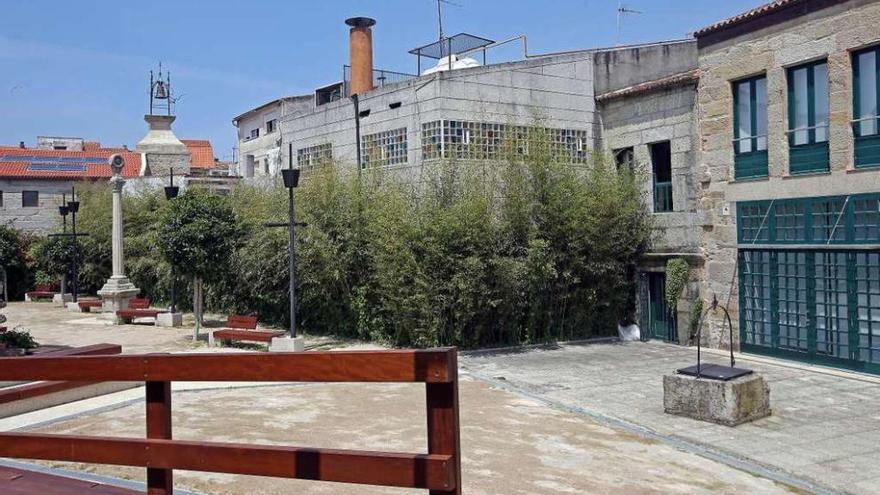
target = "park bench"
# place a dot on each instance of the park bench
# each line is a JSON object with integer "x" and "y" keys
{"x": 243, "y": 329}
{"x": 438, "y": 470}
{"x": 42, "y": 291}
{"x": 87, "y": 305}
{"x": 138, "y": 308}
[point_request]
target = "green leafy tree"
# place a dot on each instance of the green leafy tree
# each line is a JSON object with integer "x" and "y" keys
{"x": 14, "y": 269}
{"x": 198, "y": 234}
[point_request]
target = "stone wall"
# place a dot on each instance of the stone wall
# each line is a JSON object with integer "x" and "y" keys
{"x": 43, "y": 218}
{"x": 666, "y": 115}
{"x": 829, "y": 33}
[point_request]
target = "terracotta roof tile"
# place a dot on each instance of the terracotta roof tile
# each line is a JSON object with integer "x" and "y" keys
{"x": 21, "y": 163}
{"x": 201, "y": 151}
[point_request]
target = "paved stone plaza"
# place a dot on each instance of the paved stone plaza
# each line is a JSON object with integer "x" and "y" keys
{"x": 824, "y": 430}
{"x": 571, "y": 419}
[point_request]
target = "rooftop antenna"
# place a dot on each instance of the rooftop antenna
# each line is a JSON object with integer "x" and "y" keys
{"x": 622, "y": 10}
{"x": 440, "y": 14}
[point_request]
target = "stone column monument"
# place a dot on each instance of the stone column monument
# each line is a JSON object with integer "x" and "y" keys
{"x": 118, "y": 289}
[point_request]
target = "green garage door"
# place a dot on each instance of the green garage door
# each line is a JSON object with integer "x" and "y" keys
{"x": 809, "y": 278}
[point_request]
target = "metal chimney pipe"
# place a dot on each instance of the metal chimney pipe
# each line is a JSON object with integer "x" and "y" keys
{"x": 361, "y": 53}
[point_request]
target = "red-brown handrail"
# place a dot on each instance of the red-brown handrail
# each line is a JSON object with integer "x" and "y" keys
{"x": 438, "y": 471}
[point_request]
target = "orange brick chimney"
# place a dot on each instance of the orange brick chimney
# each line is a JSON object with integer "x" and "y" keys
{"x": 361, "y": 53}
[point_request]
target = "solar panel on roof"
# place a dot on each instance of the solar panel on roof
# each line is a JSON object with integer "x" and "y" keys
{"x": 55, "y": 167}
{"x": 53, "y": 159}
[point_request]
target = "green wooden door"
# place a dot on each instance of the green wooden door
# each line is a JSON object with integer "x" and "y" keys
{"x": 661, "y": 321}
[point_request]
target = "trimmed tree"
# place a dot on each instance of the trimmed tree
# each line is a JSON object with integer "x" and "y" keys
{"x": 198, "y": 234}
{"x": 12, "y": 262}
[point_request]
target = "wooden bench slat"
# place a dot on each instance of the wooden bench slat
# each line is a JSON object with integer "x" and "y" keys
{"x": 427, "y": 366}
{"x": 433, "y": 472}
{"x": 246, "y": 335}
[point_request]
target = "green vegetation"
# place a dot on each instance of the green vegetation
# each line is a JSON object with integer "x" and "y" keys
{"x": 677, "y": 272}
{"x": 198, "y": 233}
{"x": 18, "y": 339}
{"x": 14, "y": 261}
{"x": 518, "y": 250}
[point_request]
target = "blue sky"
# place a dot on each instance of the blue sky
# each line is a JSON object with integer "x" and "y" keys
{"x": 81, "y": 68}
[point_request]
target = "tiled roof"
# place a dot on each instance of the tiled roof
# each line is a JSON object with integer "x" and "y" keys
{"x": 675, "y": 80}
{"x": 746, "y": 16}
{"x": 201, "y": 151}
{"x": 23, "y": 163}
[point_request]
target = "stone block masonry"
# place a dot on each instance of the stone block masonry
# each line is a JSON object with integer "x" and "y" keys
{"x": 729, "y": 403}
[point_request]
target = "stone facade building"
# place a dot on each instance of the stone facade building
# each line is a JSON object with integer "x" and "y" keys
{"x": 759, "y": 137}
{"x": 789, "y": 179}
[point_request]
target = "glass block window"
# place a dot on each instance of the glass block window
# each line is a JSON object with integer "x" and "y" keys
{"x": 432, "y": 140}
{"x": 313, "y": 157}
{"x": 790, "y": 221}
{"x": 386, "y": 148}
{"x": 754, "y": 223}
{"x": 488, "y": 141}
{"x": 750, "y": 127}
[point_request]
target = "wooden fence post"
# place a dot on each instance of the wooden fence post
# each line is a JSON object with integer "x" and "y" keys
{"x": 159, "y": 481}
{"x": 443, "y": 426}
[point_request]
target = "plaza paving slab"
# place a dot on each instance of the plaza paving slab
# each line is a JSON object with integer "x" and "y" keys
{"x": 824, "y": 430}
{"x": 511, "y": 445}
{"x": 58, "y": 326}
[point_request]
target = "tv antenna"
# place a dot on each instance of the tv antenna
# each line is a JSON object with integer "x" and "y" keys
{"x": 622, "y": 10}
{"x": 440, "y": 14}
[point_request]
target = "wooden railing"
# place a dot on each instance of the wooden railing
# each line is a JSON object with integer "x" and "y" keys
{"x": 438, "y": 471}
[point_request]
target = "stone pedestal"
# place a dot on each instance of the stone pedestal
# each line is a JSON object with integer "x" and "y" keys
{"x": 61, "y": 300}
{"x": 115, "y": 294}
{"x": 729, "y": 403}
{"x": 169, "y": 320}
{"x": 287, "y": 344}
{"x": 73, "y": 307}
{"x": 162, "y": 150}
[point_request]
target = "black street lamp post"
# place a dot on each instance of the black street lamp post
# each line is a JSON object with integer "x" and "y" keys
{"x": 171, "y": 192}
{"x": 73, "y": 208}
{"x": 64, "y": 211}
{"x": 290, "y": 176}
{"x": 291, "y": 181}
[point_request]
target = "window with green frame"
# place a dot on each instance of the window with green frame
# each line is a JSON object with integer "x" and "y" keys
{"x": 750, "y": 128}
{"x": 808, "y": 118}
{"x": 866, "y": 94}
